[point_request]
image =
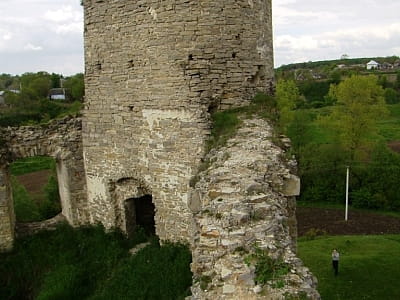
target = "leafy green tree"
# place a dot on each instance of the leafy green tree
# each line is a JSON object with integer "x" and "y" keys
{"x": 392, "y": 96}
{"x": 37, "y": 85}
{"x": 75, "y": 87}
{"x": 398, "y": 80}
{"x": 322, "y": 169}
{"x": 55, "y": 80}
{"x": 299, "y": 130}
{"x": 287, "y": 97}
{"x": 360, "y": 104}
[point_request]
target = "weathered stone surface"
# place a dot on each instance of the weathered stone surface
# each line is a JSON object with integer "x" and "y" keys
{"x": 60, "y": 139}
{"x": 154, "y": 69}
{"x": 248, "y": 212}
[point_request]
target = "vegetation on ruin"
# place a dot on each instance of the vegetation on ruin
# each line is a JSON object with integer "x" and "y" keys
{"x": 368, "y": 267}
{"x": 225, "y": 123}
{"x": 87, "y": 263}
{"x": 267, "y": 269}
{"x": 29, "y": 207}
{"x": 32, "y": 164}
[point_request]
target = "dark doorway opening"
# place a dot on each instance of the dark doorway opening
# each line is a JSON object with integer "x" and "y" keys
{"x": 140, "y": 212}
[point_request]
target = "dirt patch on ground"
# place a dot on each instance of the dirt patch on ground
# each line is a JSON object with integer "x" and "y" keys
{"x": 332, "y": 222}
{"x": 395, "y": 146}
{"x": 35, "y": 181}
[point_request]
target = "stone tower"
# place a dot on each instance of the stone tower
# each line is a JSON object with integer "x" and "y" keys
{"x": 154, "y": 71}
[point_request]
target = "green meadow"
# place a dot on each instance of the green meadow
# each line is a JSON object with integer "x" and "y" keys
{"x": 369, "y": 266}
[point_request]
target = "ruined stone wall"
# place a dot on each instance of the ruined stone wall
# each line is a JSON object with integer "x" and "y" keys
{"x": 62, "y": 140}
{"x": 243, "y": 203}
{"x": 154, "y": 69}
{"x": 7, "y": 218}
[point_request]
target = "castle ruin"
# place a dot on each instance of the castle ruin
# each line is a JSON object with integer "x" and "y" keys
{"x": 154, "y": 72}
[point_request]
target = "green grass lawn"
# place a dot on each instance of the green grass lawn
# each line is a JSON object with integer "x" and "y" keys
{"x": 390, "y": 126}
{"x": 32, "y": 164}
{"x": 369, "y": 266}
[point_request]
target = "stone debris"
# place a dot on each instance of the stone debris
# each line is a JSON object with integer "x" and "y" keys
{"x": 138, "y": 247}
{"x": 253, "y": 206}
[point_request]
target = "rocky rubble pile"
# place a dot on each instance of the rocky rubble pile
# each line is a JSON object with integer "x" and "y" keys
{"x": 244, "y": 204}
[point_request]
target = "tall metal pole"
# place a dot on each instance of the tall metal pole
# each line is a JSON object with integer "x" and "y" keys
{"x": 347, "y": 194}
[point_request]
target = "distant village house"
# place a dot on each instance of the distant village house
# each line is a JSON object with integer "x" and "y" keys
{"x": 2, "y": 101}
{"x": 372, "y": 65}
{"x": 57, "y": 94}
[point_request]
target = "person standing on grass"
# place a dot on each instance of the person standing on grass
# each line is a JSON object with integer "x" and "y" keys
{"x": 335, "y": 261}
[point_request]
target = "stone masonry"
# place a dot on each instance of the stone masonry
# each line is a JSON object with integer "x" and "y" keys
{"x": 245, "y": 200}
{"x": 154, "y": 70}
{"x": 62, "y": 140}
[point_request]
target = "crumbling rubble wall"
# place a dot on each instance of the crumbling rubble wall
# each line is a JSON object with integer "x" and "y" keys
{"x": 242, "y": 203}
{"x": 60, "y": 139}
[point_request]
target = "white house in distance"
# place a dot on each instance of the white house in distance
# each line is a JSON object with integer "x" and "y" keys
{"x": 372, "y": 65}
{"x": 57, "y": 94}
{"x": 2, "y": 97}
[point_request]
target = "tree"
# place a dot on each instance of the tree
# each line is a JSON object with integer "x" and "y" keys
{"x": 75, "y": 87}
{"x": 360, "y": 104}
{"x": 288, "y": 97}
{"x": 391, "y": 96}
{"x": 398, "y": 80}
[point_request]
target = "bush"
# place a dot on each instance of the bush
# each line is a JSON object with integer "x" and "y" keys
{"x": 87, "y": 263}
{"x": 267, "y": 268}
{"x": 50, "y": 207}
{"x": 26, "y": 210}
{"x": 363, "y": 198}
{"x": 392, "y": 96}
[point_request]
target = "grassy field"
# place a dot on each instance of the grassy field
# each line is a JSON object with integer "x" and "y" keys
{"x": 390, "y": 126}
{"x": 368, "y": 269}
{"x": 39, "y": 206}
{"x": 32, "y": 164}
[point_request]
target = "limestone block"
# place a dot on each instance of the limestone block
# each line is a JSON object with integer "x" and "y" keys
{"x": 194, "y": 201}
{"x": 228, "y": 289}
{"x": 291, "y": 186}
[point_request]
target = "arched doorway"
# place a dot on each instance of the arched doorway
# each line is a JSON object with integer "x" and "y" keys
{"x": 140, "y": 212}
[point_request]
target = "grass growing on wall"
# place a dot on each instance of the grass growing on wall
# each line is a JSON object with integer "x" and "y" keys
{"x": 226, "y": 123}
{"x": 31, "y": 164}
{"x": 368, "y": 267}
{"x": 27, "y": 207}
{"x": 88, "y": 263}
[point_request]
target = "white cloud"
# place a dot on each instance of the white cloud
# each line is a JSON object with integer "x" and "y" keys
{"x": 40, "y": 34}
{"x": 318, "y": 30}
{"x": 63, "y": 14}
{"x": 329, "y": 45}
{"x": 31, "y": 47}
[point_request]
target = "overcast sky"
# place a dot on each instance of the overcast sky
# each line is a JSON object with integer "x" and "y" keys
{"x": 46, "y": 35}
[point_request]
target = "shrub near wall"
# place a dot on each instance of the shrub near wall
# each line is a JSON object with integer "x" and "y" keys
{"x": 87, "y": 263}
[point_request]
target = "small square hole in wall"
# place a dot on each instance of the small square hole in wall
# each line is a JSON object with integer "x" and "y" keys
{"x": 190, "y": 57}
{"x": 130, "y": 63}
{"x": 130, "y": 107}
